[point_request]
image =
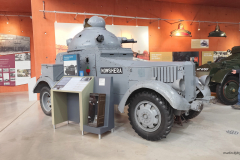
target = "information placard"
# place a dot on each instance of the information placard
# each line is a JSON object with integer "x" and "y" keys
{"x": 200, "y": 43}
{"x": 161, "y": 56}
{"x": 207, "y": 56}
{"x": 72, "y": 83}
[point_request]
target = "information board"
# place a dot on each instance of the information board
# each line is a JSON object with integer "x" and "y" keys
{"x": 72, "y": 83}
{"x": 200, "y": 43}
{"x": 161, "y": 56}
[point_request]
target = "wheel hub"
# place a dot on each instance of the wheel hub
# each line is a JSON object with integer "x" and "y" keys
{"x": 148, "y": 116}
{"x": 230, "y": 90}
{"x": 46, "y": 101}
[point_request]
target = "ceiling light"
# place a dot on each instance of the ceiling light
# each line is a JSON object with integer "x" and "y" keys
{"x": 136, "y": 22}
{"x": 217, "y": 32}
{"x": 181, "y": 32}
{"x": 158, "y": 25}
{"x": 112, "y": 20}
{"x": 199, "y": 27}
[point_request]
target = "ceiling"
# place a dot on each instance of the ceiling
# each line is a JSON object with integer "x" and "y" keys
{"x": 25, "y": 5}
{"x": 15, "y": 6}
{"x": 217, "y": 3}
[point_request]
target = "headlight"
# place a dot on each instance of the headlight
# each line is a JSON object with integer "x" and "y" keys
{"x": 204, "y": 80}
{"x": 179, "y": 85}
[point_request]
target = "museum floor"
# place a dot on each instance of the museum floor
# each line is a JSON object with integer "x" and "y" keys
{"x": 26, "y": 133}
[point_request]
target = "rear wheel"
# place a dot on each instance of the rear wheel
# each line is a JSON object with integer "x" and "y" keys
{"x": 45, "y": 100}
{"x": 227, "y": 92}
{"x": 150, "y": 115}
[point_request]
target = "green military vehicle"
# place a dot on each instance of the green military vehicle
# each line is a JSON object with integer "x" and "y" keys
{"x": 223, "y": 82}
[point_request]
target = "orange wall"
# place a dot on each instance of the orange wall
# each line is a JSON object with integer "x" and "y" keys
{"x": 16, "y": 26}
{"x": 159, "y": 40}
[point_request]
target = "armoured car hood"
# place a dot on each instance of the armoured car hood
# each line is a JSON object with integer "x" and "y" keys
{"x": 130, "y": 62}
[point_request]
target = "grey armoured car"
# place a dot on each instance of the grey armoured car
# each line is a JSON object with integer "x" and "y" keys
{"x": 155, "y": 92}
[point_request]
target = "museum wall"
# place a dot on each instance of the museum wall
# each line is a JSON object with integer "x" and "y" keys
{"x": 159, "y": 39}
{"x": 21, "y": 26}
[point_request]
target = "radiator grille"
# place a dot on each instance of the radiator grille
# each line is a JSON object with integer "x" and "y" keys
{"x": 165, "y": 74}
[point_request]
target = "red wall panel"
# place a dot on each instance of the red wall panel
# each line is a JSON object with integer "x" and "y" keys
{"x": 15, "y": 26}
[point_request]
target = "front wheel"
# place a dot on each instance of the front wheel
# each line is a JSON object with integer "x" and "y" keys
{"x": 150, "y": 115}
{"x": 45, "y": 100}
{"x": 227, "y": 92}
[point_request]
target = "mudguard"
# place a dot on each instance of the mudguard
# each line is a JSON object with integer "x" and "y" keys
{"x": 41, "y": 79}
{"x": 220, "y": 76}
{"x": 171, "y": 95}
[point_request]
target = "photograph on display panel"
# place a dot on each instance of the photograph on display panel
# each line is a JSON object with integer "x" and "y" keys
{"x": 12, "y": 74}
{"x": 5, "y": 70}
{"x": 186, "y": 56}
{"x": 12, "y": 69}
{"x": 0, "y": 69}
{"x": 6, "y": 77}
{"x": 23, "y": 73}
{"x": 220, "y": 54}
{"x": 22, "y": 57}
{"x": 10, "y": 44}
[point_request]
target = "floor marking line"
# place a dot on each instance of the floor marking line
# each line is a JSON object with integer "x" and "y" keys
{"x": 18, "y": 116}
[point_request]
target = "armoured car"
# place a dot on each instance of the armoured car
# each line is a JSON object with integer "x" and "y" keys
{"x": 155, "y": 92}
{"x": 222, "y": 81}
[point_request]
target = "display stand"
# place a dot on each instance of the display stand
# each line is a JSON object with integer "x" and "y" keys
{"x": 104, "y": 86}
{"x": 69, "y": 100}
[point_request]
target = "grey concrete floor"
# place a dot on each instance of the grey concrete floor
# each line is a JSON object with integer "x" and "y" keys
{"x": 26, "y": 133}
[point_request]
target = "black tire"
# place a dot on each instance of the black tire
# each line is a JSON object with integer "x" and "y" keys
{"x": 224, "y": 98}
{"x": 44, "y": 91}
{"x": 164, "y": 108}
{"x": 192, "y": 114}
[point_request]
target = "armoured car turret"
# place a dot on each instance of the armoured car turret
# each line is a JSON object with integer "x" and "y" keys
{"x": 223, "y": 82}
{"x": 154, "y": 92}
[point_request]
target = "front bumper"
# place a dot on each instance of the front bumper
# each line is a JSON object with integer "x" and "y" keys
{"x": 198, "y": 104}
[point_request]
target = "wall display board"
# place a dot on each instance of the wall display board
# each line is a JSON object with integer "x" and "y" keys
{"x": 200, "y": 43}
{"x": 207, "y": 56}
{"x": 64, "y": 31}
{"x": 15, "y": 69}
{"x": 71, "y": 64}
{"x": 161, "y": 56}
{"x": 7, "y": 70}
{"x": 219, "y": 54}
{"x": 10, "y": 44}
{"x": 213, "y": 55}
{"x": 186, "y": 56}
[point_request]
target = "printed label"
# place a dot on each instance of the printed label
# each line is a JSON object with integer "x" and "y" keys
{"x": 111, "y": 70}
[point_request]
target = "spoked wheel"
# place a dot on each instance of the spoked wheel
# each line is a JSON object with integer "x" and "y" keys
{"x": 45, "y": 100}
{"x": 227, "y": 92}
{"x": 150, "y": 115}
